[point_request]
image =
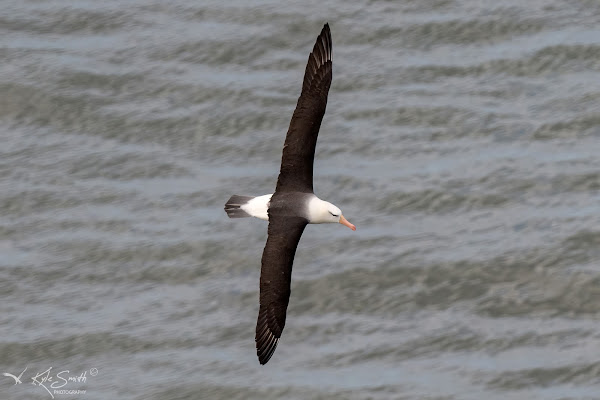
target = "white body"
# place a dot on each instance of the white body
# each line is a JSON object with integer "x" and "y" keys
{"x": 319, "y": 211}
{"x": 258, "y": 206}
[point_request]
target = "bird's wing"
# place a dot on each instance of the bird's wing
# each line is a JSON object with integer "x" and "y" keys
{"x": 275, "y": 277}
{"x": 296, "y": 173}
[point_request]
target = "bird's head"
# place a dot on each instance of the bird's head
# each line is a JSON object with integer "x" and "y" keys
{"x": 323, "y": 212}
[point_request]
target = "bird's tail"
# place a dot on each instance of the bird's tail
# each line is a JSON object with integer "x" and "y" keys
{"x": 234, "y": 204}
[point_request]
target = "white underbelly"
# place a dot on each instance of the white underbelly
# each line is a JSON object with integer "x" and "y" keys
{"x": 258, "y": 206}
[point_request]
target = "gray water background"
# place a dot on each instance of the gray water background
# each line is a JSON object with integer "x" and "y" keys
{"x": 461, "y": 137}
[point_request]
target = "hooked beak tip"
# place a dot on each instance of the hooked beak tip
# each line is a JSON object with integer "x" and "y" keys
{"x": 347, "y": 223}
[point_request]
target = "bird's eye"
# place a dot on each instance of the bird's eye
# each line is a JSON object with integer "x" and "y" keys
{"x": 332, "y": 214}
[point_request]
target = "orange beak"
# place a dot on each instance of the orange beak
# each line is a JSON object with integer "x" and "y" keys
{"x": 344, "y": 221}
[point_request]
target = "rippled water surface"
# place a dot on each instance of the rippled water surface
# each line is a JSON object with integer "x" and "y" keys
{"x": 461, "y": 137}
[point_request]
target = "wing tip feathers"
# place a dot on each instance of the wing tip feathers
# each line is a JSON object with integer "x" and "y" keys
{"x": 266, "y": 341}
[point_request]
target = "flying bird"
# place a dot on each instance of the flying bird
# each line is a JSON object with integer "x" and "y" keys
{"x": 293, "y": 205}
{"x": 16, "y": 378}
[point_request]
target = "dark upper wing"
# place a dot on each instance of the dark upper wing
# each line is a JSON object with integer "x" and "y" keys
{"x": 275, "y": 276}
{"x": 296, "y": 174}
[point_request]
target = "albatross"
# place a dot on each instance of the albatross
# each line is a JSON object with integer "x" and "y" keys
{"x": 294, "y": 204}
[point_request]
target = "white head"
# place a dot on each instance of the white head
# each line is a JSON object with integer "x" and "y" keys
{"x": 323, "y": 212}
